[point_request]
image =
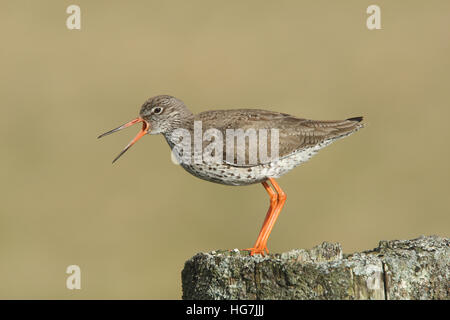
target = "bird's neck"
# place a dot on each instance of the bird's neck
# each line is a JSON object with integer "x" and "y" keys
{"x": 180, "y": 129}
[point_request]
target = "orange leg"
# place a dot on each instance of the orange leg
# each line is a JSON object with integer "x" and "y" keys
{"x": 277, "y": 200}
{"x": 273, "y": 203}
{"x": 273, "y": 217}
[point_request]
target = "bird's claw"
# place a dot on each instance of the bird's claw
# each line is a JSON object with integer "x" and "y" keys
{"x": 257, "y": 250}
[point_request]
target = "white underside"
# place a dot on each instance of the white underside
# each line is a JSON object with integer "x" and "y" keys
{"x": 238, "y": 176}
{"x": 228, "y": 174}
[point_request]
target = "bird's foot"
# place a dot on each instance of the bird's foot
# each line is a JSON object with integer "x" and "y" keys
{"x": 258, "y": 250}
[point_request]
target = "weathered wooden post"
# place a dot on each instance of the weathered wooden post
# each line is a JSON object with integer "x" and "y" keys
{"x": 397, "y": 269}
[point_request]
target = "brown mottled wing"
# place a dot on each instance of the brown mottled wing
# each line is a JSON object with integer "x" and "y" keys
{"x": 294, "y": 133}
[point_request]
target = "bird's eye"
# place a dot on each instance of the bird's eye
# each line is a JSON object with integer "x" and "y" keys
{"x": 157, "y": 110}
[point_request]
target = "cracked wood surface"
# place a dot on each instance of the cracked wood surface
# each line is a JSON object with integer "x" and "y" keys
{"x": 397, "y": 269}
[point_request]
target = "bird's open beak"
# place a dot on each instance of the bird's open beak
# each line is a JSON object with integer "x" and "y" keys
{"x": 143, "y": 132}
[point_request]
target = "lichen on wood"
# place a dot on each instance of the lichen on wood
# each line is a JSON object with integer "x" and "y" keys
{"x": 397, "y": 269}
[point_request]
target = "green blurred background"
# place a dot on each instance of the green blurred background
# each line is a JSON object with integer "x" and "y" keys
{"x": 130, "y": 226}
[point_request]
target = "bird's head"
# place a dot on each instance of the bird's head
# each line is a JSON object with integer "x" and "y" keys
{"x": 164, "y": 114}
{"x": 159, "y": 114}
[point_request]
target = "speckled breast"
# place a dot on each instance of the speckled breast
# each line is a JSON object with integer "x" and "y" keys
{"x": 231, "y": 174}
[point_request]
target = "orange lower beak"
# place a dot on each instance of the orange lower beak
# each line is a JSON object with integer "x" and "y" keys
{"x": 143, "y": 132}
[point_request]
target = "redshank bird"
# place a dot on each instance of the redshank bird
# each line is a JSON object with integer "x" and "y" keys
{"x": 297, "y": 141}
